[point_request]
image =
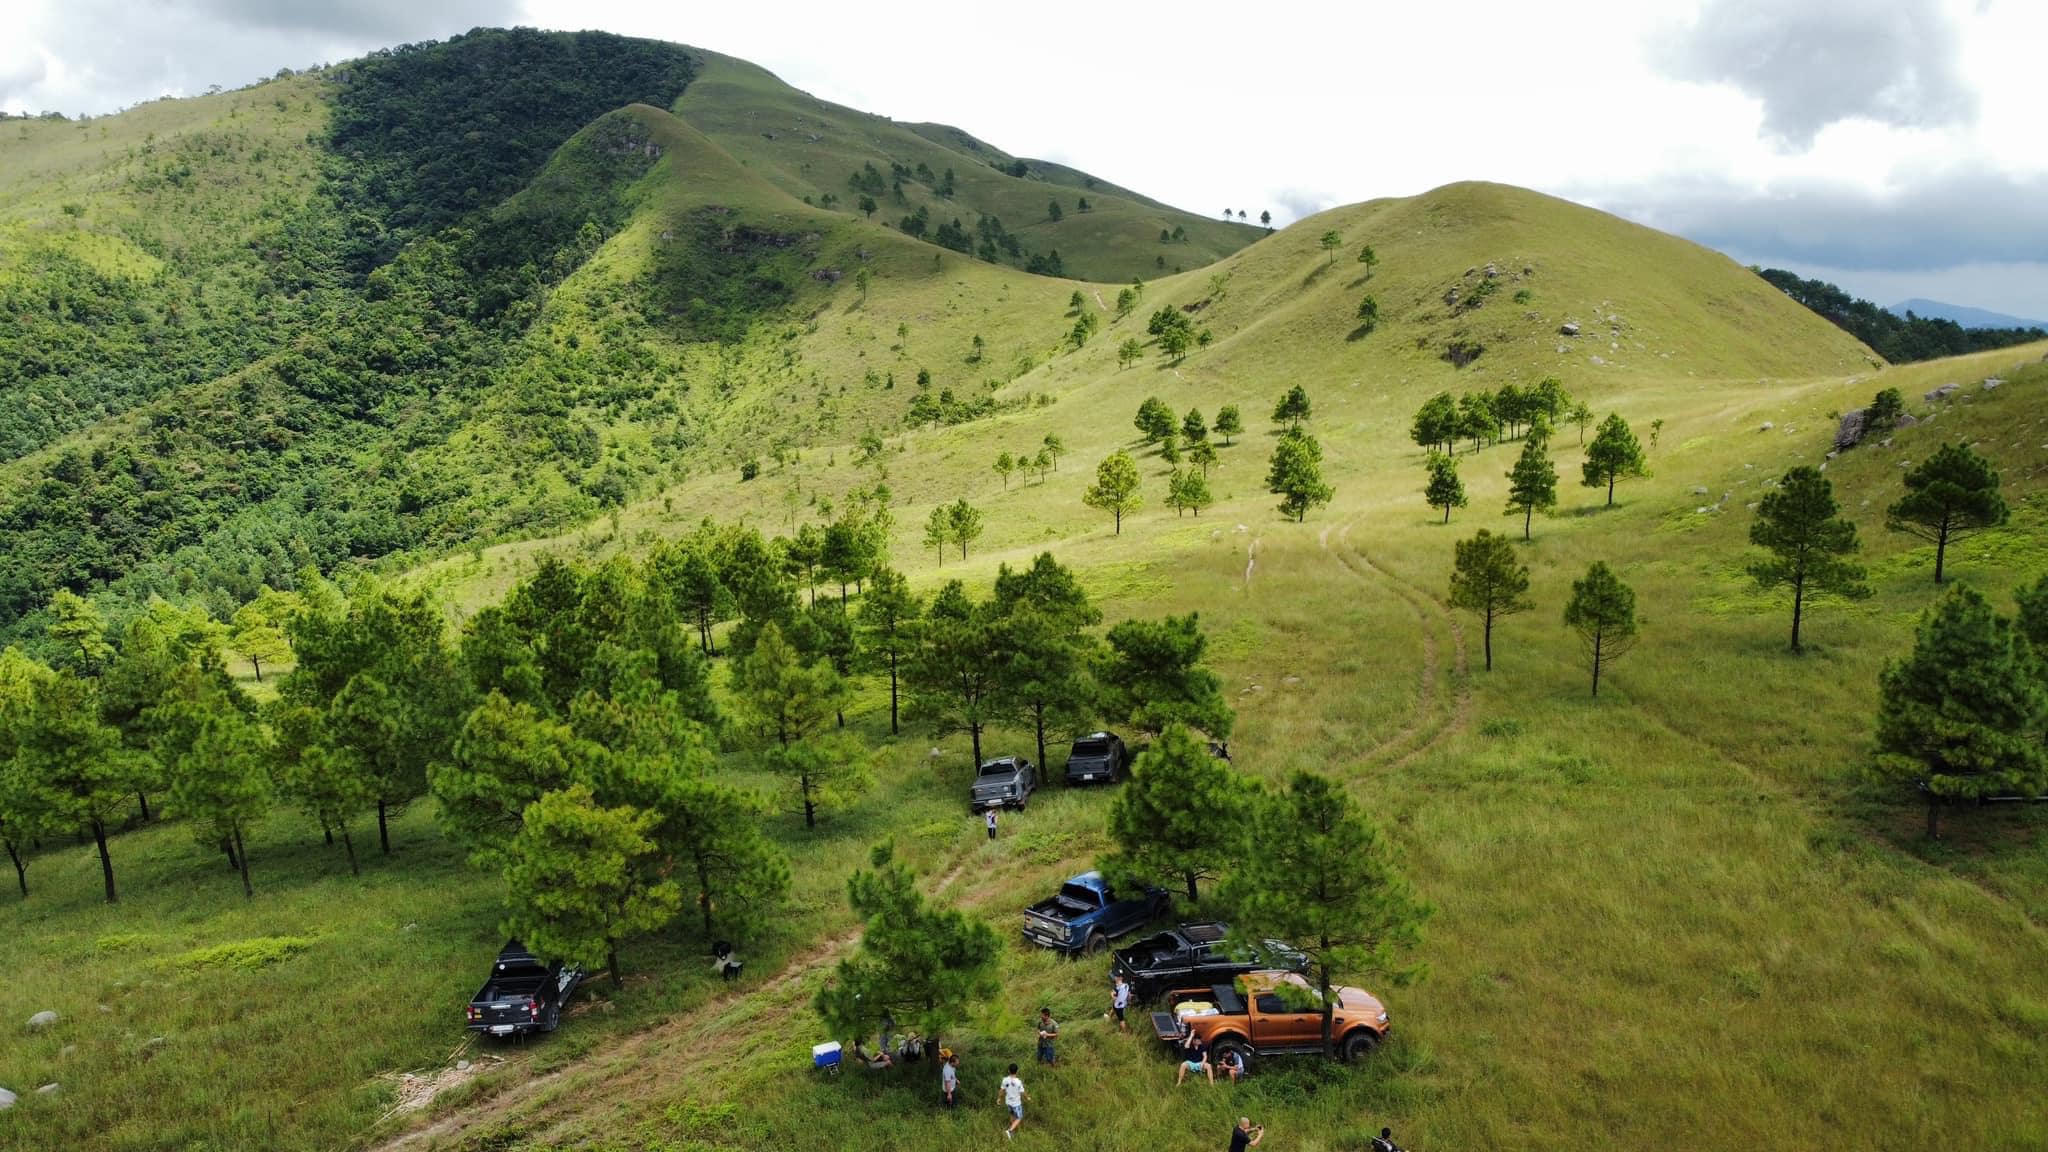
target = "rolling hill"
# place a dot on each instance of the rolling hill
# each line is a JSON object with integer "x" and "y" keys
{"x": 1680, "y": 913}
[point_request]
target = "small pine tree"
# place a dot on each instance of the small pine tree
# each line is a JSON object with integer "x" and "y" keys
{"x": 1961, "y": 717}
{"x": 1444, "y": 489}
{"x": 1192, "y": 428}
{"x": 963, "y": 524}
{"x": 1293, "y": 408}
{"x": 1369, "y": 313}
{"x": 1490, "y": 580}
{"x": 919, "y": 965}
{"x": 1116, "y": 488}
{"x": 1370, "y": 259}
{"x": 1613, "y": 455}
{"x": 1055, "y": 448}
{"x": 1228, "y": 423}
{"x": 1175, "y": 818}
{"x": 1202, "y": 456}
{"x": 1532, "y": 484}
{"x": 1331, "y": 241}
{"x": 938, "y": 531}
{"x": 1295, "y": 474}
{"x": 1005, "y": 464}
{"x": 1602, "y": 611}
{"x": 1797, "y": 522}
{"x": 1953, "y": 494}
{"x": 1886, "y": 409}
{"x": 1052, "y": 211}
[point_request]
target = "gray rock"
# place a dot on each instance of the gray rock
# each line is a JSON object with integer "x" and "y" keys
{"x": 1700, "y": 491}
{"x": 1991, "y": 383}
{"x": 41, "y": 1020}
{"x": 1849, "y": 432}
{"x": 1767, "y": 426}
{"x": 1906, "y": 421}
{"x": 462, "y": 1065}
{"x": 1568, "y": 328}
{"x": 7, "y": 1099}
{"x": 1936, "y": 395}
{"x": 153, "y": 1043}
{"x": 47, "y": 1090}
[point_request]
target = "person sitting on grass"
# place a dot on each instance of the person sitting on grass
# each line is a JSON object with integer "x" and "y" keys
{"x": 1233, "y": 1065}
{"x": 1194, "y": 1058}
{"x": 879, "y": 1060}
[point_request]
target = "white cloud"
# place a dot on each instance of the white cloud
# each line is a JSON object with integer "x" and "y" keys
{"x": 1289, "y": 106}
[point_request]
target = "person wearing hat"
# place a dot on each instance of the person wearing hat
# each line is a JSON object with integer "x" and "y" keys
{"x": 949, "y": 1074}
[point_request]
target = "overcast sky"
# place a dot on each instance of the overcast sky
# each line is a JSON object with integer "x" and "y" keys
{"x": 1893, "y": 146}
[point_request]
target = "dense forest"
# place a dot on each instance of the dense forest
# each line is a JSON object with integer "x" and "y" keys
{"x": 280, "y": 417}
{"x": 1899, "y": 339}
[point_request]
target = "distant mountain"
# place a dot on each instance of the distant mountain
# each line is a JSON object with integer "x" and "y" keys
{"x": 1961, "y": 314}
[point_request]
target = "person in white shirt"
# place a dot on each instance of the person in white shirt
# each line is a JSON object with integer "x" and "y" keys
{"x": 949, "y": 1075}
{"x": 991, "y": 818}
{"x": 1014, "y": 1096}
{"x": 1119, "y": 1000}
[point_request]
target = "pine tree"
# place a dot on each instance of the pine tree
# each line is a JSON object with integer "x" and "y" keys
{"x": 1602, "y": 611}
{"x": 259, "y": 629}
{"x": 1005, "y": 465}
{"x": 1203, "y": 456}
{"x": 1228, "y": 423}
{"x": 1951, "y": 495}
{"x": 1293, "y": 408}
{"x": 1055, "y": 448}
{"x": 1444, "y": 489}
{"x": 920, "y": 965}
{"x": 508, "y": 756}
{"x": 1154, "y": 420}
{"x": 1436, "y": 424}
{"x": 1962, "y": 716}
{"x": 787, "y": 705}
{"x": 889, "y": 615}
{"x": 1885, "y": 411}
{"x": 1532, "y": 484}
{"x": 23, "y": 816}
{"x": 1192, "y": 429}
{"x": 79, "y": 633}
{"x": 73, "y": 765}
{"x": 1116, "y": 488}
{"x": 726, "y": 866}
{"x": 1295, "y": 474}
{"x": 1324, "y": 879}
{"x": 222, "y": 785}
{"x": 1490, "y": 580}
{"x": 580, "y": 878}
{"x": 1797, "y": 522}
{"x": 1181, "y": 816}
{"x": 956, "y": 679}
{"x": 1152, "y": 675}
{"x": 1613, "y": 455}
{"x": 963, "y": 524}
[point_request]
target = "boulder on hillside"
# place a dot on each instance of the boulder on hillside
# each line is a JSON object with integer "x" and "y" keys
{"x": 7, "y": 1099}
{"x": 1906, "y": 420}
{"x": 1849, "y": 432}
{"x": 49, "y": 1089}
{"x": 1937, "y": 395}
{"x": 1569, "y": 328}
{"x": 1991, "y": 382}
{"x": 41, "y": 1020}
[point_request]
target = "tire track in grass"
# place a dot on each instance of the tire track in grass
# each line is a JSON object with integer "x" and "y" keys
{"x": 631, "y": 1064}
{"x": 1432, "y": 722}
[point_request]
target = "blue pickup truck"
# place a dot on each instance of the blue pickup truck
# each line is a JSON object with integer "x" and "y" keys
{"x": 1086, "y": 915}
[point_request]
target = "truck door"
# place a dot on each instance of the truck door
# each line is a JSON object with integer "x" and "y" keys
{"x": 1280, "y": 1025}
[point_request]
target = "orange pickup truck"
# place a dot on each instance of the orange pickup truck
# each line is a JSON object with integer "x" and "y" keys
{"x": 1271, "y": 1013}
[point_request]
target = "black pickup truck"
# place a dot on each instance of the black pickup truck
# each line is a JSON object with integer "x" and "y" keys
{"x": 1196, "y": 956}
{"x": 523, "y": 995}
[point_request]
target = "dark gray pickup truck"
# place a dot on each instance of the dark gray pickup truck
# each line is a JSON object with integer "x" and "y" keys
{"x": 522, "y": 995}
{"x": 1196, "y": 956}
{"x": 1005, "y": 782}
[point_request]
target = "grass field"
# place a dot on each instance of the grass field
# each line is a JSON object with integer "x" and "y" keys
{"x": 1675, "y": 916}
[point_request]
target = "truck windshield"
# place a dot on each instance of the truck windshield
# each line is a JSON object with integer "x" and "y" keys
{"x": 1085, "y": 897}
{"x": 999, "y": 768}
{"x": 1090, "y": 749}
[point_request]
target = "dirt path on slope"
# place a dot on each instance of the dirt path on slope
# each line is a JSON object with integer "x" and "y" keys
{"x": 1430, "y": 725}
{"x": 629, "y": 1065}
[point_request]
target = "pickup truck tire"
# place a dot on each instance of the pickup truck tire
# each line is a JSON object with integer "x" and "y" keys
{"x": 1358, "y": 1044}
{"x": 1095, "y": 945}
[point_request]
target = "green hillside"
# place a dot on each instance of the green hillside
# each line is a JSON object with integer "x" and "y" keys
{"x": 811, "y": 149}
{"x": 487, "y": 343}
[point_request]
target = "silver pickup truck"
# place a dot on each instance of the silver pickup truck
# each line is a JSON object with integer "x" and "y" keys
{"x": 1005, "y": 782}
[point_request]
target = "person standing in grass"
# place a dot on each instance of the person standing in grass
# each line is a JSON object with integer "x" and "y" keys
{"x": 1246, "y": 1134}
{"x": 1014, "y": 1096}
{"x": 1119, "y": 1000}
{"x": 991, "y": 817}
{"x": 1048, "y": 1031}
{"x": 949, "y": 1074}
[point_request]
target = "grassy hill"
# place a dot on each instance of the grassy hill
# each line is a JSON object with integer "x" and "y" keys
{"x": 810, "y": 148}
{"x": 1677, "y": 914}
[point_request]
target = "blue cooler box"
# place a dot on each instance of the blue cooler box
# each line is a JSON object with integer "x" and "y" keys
{"x": 825, "y": 1055}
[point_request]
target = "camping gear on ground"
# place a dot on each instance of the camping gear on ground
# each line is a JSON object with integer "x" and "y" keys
{"x": 826, "y": 1056}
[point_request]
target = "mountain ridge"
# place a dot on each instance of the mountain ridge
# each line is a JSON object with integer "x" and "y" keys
{"x": 1962, "y": 314}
